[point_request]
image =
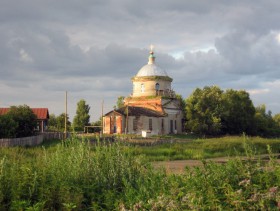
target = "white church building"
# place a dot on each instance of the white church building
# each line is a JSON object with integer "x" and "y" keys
{"x": 152, "y": 107}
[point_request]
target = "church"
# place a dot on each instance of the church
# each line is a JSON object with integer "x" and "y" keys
{"x": 152, "y": 108}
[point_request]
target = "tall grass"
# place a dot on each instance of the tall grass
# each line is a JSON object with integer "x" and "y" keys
{"x": 76, "y": 175}
{"x": 205, "y": 148}
{"x": 72, "y": 175}
{"x": 236, "y": 185}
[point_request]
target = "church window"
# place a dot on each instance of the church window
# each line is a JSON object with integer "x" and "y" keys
{"x": 175, "y": 125}
{"x": 150, "y": 124}
{"x": 171, "y": 126}
{"x": 157, "y": 86}
{"x": 134, "y": 124}
{"x": 142, "y": 88}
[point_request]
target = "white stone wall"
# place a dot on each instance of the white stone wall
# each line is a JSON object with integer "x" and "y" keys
{"x": 150, "y": 87}
{"x": 156, "y": 124}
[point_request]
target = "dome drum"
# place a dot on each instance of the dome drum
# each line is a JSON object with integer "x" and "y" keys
{"x": 151, "y": 78}
{"x": 151, "y": 88}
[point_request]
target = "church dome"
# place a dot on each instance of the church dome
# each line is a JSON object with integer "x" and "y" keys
{"x": 151, "y": 69}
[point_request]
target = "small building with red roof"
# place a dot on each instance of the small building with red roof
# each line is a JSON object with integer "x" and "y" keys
{"x": 42, "y": 115}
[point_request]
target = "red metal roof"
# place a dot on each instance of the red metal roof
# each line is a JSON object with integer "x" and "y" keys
{"x": 41, "y": 113}
{"x": 137, "y": 111}
{"x": 4, "y": 110}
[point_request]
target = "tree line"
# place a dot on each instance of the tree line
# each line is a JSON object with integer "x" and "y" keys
{"x": 20, "y": 121}
{"x": 207, "y": 111}
{"x": 213, "y": 111}
{"x": 81, "y": 119}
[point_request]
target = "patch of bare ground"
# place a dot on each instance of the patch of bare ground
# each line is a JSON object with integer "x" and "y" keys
{"x": 178, "y": 166}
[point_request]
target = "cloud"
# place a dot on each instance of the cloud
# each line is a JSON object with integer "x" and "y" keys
{"x": 258, "y": 91}
{"x": 93, "y": 48}
{"x": 268, "y": 94}
{"x": 249, "y": 53}
{"x": 24, "y": 56}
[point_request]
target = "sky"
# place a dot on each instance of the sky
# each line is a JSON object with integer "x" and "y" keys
{"x": 92, "y": 49}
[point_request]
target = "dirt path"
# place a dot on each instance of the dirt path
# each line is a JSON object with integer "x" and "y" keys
{"x": 178, "y": 166}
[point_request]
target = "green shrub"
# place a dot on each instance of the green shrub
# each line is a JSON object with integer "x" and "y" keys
{"x": 206, "y": 148}
{"x": 236, "y": 185}
{"x": 78, "y": 175}
{"x": 71, "y": 174}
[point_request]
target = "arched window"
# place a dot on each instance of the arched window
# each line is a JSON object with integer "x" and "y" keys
{"x": 142, "y": 88}
{"x": 157, "y": 86}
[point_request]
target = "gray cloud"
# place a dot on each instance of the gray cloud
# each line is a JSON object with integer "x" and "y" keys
{"x": 250, "y": 53}
{"x": 93, "y": 48}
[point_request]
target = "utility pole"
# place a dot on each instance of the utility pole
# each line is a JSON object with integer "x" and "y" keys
{"x": 102, "y": 105}
{"x": 65, "y": 120}
{"x": 126, "y": 128}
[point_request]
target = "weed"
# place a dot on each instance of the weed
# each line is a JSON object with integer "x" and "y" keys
{"x": 206, "y": 148}
{"x": 79, "y": 175}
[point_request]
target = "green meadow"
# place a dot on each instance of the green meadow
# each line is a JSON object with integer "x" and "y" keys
{"x": 80, "y": 175}
{"x": 205, "y": 148}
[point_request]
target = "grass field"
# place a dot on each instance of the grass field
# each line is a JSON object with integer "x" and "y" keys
{"x": 76, "y": 175}
{"x": 206, "y": 148}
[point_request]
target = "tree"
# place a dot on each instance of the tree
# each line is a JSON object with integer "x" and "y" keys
{"x": 52, "y": 122}
{"x": 261, "y": 120}
{"x": 60, "y": 122}
{"x": 57, "y": 123}
{"x": 203, "y": 111}
{"x": 97, "y": 123}
{"x": 276, "y": 118}
{"x": 238, "y": 112}
{"x": 182, "y": 103}
{"x": 120, "y": 102}
{"x": 265, "y": 123}
{"x": 25, "y": 119}
{"x": 8, "y": 126}
{"x": 212, "y": 111}
{"x": 82, "y": 116}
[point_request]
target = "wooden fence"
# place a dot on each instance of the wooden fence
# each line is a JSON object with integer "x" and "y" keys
{"x": 54, "y": 135}
{"x": 26, "y": 141}
{"x": 32, "y": 140}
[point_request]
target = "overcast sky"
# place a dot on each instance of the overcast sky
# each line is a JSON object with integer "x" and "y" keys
{"x": 92, "y": 48}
